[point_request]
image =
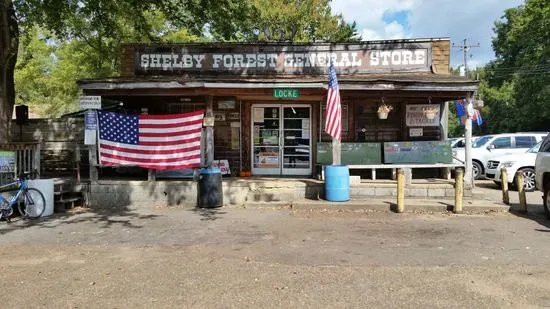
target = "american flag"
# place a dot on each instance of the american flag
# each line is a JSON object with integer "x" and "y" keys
{"x": 151, "y": 141}
{"x": 333, "y": 113}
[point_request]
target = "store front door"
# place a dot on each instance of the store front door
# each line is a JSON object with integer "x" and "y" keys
{"x": 281, "y": 139}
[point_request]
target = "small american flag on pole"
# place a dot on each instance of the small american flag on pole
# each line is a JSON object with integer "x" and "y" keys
{"x": 151, "y": 141}
{"x": 333, "y": 113}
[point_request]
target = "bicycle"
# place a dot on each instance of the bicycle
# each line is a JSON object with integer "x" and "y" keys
{"x": 30, "y": 201}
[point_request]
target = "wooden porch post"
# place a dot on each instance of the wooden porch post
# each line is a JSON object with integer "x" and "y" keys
{"x": 468, "y": 174}
{"x": 92, "y": 157}
{"x": 336, "y": 152}
{"x": 444, "y": 123}
{"x": 209, "y": 132}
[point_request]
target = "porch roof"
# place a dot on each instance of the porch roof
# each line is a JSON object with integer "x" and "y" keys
{"x": 407, "y": 82}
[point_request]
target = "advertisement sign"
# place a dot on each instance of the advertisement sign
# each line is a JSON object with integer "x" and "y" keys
{"x": 90, "y": 120}
{"x": 423, "y": 115}
{"x": 90, "y": 102}
{"x": 219, "y": 116}
{"x": 7, "y": 161}
{"x": 223, "y": 165}
{"x": 226, "y": 104}
{"x": 90, "y": 125}
{"x": 268, "y": 160}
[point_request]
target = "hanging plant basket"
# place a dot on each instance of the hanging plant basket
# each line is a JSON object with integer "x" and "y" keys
{"x": 382, "y": 115}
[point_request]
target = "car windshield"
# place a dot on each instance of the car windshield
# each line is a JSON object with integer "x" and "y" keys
{"x": 481, "y": 141}
{"x": 535, "y": 148}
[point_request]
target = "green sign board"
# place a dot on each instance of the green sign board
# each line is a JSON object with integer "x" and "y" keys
{"x": 352, "y": 153}
{"x": 286, "y": 93}
{"x": 426, "y": 152}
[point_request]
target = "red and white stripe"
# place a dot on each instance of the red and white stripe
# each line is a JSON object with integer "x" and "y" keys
{"x": 333, "y": 124}
{"x": 165, "y": 142}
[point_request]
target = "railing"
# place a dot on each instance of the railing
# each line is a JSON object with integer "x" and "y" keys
{"x": 23, "y": 157}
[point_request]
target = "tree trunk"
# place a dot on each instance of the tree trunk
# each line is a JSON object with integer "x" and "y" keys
{"x": 9, "y": 42}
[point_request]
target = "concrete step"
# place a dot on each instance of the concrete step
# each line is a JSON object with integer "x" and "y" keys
{"x": 385, "y": 204}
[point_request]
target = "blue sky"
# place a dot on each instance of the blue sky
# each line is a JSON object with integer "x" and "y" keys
{"x": 456, "y": 19}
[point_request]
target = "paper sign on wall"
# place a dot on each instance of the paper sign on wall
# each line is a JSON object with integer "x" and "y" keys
{"x": 223, "y": 165}
{"x": 423, "y": 115}
{"x": 416, "y": 132}
{"x": 90, "y": 102}
{"x": 258, "y": 114}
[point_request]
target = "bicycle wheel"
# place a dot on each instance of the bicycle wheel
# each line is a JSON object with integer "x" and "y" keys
{"x": 33, "y": 205}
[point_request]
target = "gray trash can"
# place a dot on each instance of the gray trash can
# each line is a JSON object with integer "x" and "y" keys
{"x": 210, "y": 188}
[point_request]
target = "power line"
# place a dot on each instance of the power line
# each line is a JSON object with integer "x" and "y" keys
{"x": 465, "y": 48}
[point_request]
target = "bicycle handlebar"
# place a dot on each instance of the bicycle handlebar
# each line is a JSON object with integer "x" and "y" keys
{"x": 28, "y": 175}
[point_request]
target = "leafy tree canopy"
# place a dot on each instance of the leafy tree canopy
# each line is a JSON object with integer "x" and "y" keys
{"x": 516, "y": 85}
{"x": 64, "y": 41}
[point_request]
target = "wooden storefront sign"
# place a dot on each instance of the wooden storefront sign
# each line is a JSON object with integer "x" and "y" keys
{"x": 282, "y": 59}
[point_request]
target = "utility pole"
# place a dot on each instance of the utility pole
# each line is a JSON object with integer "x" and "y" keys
{"x": 465, "y": 47}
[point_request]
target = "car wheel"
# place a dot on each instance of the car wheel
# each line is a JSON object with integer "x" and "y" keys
{"x": 546, "y": 201}
{"x": 477, "y": 170}
{"x": 528, "y": 179}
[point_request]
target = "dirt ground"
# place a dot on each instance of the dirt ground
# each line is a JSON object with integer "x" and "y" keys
{"x": 243, "y": 258}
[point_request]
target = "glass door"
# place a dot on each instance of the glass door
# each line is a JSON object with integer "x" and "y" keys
{"x": 266, "y": 143}
{"x": 296, "y": 130}
{"x": 281, "y": 139}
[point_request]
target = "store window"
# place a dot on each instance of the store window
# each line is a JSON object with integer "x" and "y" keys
{"x": 369, "y": 128}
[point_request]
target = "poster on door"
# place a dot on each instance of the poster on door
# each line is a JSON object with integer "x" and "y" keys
{"x": 259, "y": 114}
{"x": 268, "y": 159}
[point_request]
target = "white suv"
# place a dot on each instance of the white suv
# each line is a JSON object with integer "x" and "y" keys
{"x": 542, "y": 174}
{"x": 523, "y": 162}
{"x": 489, "y": 146}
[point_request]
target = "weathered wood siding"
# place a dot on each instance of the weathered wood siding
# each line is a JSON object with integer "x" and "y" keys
{"x": 441, "y": 56}
{"x": 59, "y": 139}
{"x": 127, "y": 61}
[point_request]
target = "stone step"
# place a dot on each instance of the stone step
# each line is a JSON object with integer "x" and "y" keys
{"x": 381, "y": 204}
{"x": 66, "y": 203}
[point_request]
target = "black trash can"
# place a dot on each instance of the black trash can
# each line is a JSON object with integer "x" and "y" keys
{"x": 210, "y": 188}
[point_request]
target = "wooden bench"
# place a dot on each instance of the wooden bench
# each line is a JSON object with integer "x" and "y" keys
{"x": 407, "y": 167}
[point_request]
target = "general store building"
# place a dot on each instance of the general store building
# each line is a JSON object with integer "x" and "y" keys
{"x": 268, "y": 100}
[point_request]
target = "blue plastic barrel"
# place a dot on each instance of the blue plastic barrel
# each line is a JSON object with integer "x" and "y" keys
{"x": 337, "y": 183}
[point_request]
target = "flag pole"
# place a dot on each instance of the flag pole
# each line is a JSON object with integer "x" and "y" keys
{"x": 336, "y": 151}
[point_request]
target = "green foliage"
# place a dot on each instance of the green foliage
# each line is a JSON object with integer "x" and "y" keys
{"x": 293, "y": 21}
{"x": 516, "y": 86}
{"x": 84, "y": 37}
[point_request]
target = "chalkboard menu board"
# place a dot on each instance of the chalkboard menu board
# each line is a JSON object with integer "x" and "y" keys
{"x": 424, "y": 152}
{"x": 352, "y": 153}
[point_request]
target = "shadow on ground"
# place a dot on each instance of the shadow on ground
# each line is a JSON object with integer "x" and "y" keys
{"x": 208, "y": 214}
{"x": 534, "y": 213}
{"x": 104, "y": 218}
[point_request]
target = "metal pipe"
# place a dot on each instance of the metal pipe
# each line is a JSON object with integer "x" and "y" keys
{"x": 241, "y": 135}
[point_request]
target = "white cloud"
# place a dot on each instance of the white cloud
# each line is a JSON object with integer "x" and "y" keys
{"x": 369, "y": 15}
{"x": 464, "y": 19}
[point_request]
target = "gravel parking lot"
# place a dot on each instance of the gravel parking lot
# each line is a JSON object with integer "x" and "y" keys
{"x": 241, "y": 258}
